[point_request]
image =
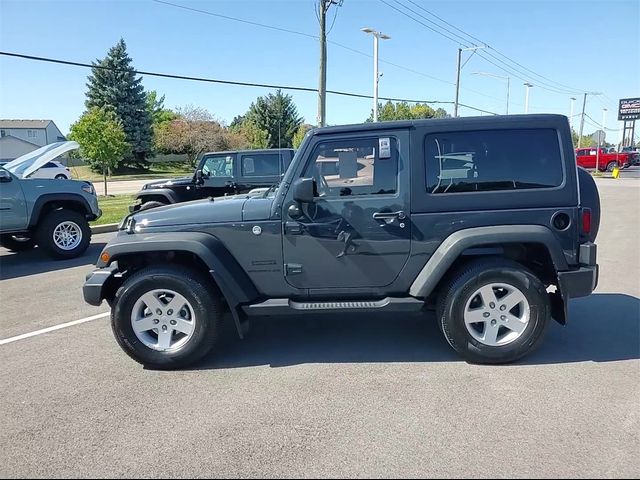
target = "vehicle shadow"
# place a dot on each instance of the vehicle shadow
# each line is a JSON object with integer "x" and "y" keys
{"x": 602, "y": 328}
{"x": 15, "y": 265}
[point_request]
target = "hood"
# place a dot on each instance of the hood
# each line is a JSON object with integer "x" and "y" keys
{"x": 237, "y": 208}
{"x": 169, "y": 183}
{"x": 27, "y": 164}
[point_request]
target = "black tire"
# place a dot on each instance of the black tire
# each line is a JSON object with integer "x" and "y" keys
{"x": 200, "y": 292}
{"x": 47, "y": 226}
{"x": 151, "y": 204}
{"x": 611, "y": 166}
{"x": 17, "y": 243}
{"x": 464, "y": 284}
{"x": 60, "y": 176}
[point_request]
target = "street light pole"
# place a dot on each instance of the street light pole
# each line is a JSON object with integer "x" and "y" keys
{"x": 573, "y": 99}
{"x": 376, "y": 76}
{"x": 526, "y": 98}
{"x": 508, "y": 79}
{"x": 458, "y": 69}
{"x": 600, "y": 137}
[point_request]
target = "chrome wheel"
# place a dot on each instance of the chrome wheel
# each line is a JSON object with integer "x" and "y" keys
{"x": 163, "y": 320}
{"x": 497, "y": 314}
{"x": 67, "y": 235}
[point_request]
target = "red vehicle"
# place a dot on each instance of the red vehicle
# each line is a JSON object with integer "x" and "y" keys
{"x": 587, "y": 158}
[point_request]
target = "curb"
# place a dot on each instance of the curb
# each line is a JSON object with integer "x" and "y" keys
{"x": 108, "y": 228}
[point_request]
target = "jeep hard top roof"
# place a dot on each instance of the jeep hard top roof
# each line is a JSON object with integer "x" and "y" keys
{"x": 466, "y": 122}
{"x": 258, "y": 150}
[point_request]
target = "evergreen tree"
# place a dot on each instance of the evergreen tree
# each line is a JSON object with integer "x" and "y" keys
{"x": 113, "y": 86}
{"x": 276, "y": 115}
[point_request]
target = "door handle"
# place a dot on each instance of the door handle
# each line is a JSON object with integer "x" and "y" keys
{"x": 293, "y": 228}
{"x": 400, "y": 215}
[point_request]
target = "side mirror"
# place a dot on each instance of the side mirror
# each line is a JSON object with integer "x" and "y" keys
{"x": 199, "y": 177}
{"x": 4, "y": 176}
{"x": 303, "y": 190}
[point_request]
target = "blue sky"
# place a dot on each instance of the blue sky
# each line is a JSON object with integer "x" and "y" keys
{"x": 587, "y": 45}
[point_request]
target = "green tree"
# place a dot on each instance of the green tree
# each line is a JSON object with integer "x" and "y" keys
{"x": 114, "y": 86}
{"x": 405, "y": 111}
{"x": 157, "y": 110}
{"x": 300, "y": 133}
{"x": 102, "y": 140}
{"x": 276, "y": 115}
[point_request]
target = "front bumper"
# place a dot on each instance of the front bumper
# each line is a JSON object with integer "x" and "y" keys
{"x": 97, "y": 283}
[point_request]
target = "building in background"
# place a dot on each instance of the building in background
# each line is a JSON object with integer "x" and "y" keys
{"x": 18, "y": 137}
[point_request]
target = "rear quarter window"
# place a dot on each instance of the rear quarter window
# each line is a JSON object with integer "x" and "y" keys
{"x": 492, "y": 160}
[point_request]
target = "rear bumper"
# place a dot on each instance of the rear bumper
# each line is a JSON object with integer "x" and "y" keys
{"x": 583, "y": 280}
{"x": 578, "y": 283}
{"x": 96, "y": 284}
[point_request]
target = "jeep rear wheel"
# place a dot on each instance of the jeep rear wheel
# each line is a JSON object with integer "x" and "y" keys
{"x": 494, "y": 311}
{"x": 64, "y": 233}
{"x": 166, "y": 317}
{"x": 17, "y": 243}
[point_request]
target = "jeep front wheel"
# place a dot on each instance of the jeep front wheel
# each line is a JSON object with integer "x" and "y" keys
{"x": 64, "y": 233}
{"x": 151, "y": 204}
{"x": 494, "y": 311}
{"x": 17, "y": 243}
{"x": 166, "y": 317}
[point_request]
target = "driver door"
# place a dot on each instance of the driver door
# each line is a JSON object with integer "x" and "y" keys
{"x": 356, "y": 233}
{"x": 219, "y": 174}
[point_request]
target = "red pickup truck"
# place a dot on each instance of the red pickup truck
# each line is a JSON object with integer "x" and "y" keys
{"x": 587, "y": 158}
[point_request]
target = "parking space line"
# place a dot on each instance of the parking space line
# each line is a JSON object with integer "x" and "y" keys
{"x": 54, "y": 328}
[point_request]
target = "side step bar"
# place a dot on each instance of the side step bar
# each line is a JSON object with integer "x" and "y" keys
{"x": 284, "y": 306}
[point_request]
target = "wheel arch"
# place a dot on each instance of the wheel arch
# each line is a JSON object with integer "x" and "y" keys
{"x": 506, "y": 241}
{"x": 163, "y": 195}
{"x": 54, "y": 201}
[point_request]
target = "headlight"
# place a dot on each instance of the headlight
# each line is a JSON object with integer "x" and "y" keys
{"x": 88, "y": 187}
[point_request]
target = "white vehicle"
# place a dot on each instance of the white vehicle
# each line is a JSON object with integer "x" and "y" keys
{"x": 41, "y": 164}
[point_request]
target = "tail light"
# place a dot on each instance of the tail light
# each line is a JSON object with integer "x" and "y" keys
{"x": 586, "y": 221}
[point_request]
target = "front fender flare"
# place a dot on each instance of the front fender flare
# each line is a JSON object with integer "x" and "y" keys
{"x": 456, "y": 243}
{"x": 169, "y": 195}
{"x": 233, "y": 281}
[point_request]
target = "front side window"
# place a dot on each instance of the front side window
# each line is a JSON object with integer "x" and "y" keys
{"x": 262, "y": 165}
{"x": 218, "y": 166}
{"x": 492, "y": 160}
{"x": 353, "y": 167}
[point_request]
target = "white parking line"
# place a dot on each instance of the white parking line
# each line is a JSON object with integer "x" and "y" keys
{"x": 54, "y": 328}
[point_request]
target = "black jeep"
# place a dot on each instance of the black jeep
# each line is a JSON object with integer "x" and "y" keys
{"x": 219, "y": 174}
{"x": 487, "y": 220}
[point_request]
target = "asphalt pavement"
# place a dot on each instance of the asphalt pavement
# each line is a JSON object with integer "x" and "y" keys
{"x": 349, "y": 396}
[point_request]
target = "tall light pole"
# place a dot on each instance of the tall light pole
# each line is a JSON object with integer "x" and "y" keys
{"x": 508, "y": 79}
{"x": 573, "y": 99}
{"x": 376, "y": 76}
{"x": 584, "y": 105}
{"x": 601, "y": 137}
{"x": 526, "y": 97}
{"x": 460, "y": 66}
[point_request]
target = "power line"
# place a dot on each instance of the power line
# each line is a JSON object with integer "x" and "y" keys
{"x": 227, "y": 82}
{"x": 466, "y": 43}
{"x": 563, "y": 86}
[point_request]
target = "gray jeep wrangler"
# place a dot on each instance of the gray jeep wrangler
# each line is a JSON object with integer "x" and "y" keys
{"x": 51, "y": 213}
{"x": 486, "y": 220}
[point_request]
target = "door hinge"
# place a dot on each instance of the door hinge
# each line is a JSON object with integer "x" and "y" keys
{"x": 292, "y": 268}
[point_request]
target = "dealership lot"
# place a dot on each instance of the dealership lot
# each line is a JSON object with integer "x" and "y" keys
{"x": 352, "y": 396}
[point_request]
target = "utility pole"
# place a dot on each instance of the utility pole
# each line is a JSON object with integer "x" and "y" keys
{"x": 376, "y": 76}
{"x": 584, "y": 104}
{"x": 573, "y": 99}
{"x": 601, "y": 138}
{"x": 323, "y": 7}
{"x": 458, "y": 69}
{"x": 526, "y": 98}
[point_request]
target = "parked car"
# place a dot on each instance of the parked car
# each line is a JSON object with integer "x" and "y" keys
{"x": 53, "y": 214}
{"x": 451, "y": 214}
{"x": 589, "y": 157}
{"x": 218, "y": 174}
{"x": 635, "y": 154}
{"x": 52, "y": 169}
